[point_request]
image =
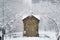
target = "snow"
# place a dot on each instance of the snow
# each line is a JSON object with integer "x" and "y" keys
{"x": 29, "y": 38}
{"x": 51, "y": 36}
{"x": 37, "y": 16}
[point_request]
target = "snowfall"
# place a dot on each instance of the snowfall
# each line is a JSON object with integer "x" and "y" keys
{"x": 12, "y": 8}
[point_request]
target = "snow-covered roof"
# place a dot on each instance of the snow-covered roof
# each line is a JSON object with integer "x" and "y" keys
{"x": 37, "y": 16}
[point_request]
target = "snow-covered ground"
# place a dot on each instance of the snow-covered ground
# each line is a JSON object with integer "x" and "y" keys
{"x": 42, "y": 36}
{"x": 28, "y": 38}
